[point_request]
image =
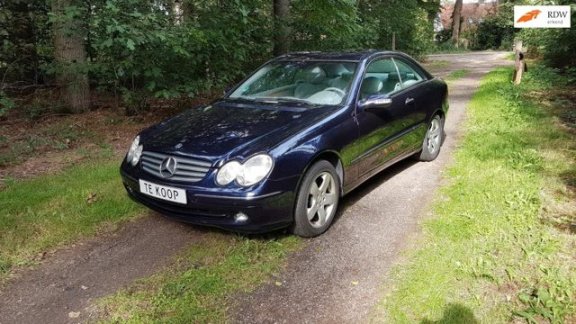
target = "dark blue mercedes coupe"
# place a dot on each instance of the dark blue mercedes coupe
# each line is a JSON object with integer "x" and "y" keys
{"x": 280, "y": 149}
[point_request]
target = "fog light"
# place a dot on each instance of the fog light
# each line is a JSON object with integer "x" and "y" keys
{"x": 240, "y": 217}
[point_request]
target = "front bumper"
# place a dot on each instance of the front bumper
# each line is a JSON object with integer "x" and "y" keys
{"x": 266, "y": 211}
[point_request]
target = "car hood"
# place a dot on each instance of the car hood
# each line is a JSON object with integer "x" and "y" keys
{"x": 229, "y": 129}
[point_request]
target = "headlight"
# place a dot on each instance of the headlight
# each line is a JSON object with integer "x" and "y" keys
{"x": 135, "y": 152}
{"x": 228, "y": 173}
{"x": 254, "y": 170}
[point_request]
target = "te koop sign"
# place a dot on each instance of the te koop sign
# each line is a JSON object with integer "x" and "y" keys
{"x": 542, "y": 17}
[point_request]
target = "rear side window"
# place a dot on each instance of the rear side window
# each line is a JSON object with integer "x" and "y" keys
{"x": 408, "y": 75}
{"x": 381, "y": 77}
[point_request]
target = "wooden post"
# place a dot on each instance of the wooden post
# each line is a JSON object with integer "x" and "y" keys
{"x": 519, "y": 62}
{"x": 394, "y": 41}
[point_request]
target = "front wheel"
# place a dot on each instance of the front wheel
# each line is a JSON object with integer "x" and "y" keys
{"x": 317, "y": 200}
{"x": 433, "y": 139}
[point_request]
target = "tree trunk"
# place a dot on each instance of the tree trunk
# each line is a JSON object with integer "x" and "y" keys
{"x": 456, "y": 18}
{"x": 177, "y": 12}
{"x": 70, "y": 54}
{"x": 282, "y": 30}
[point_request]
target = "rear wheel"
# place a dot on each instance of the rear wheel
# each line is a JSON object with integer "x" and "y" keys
{"x": 317, "y": 200}
{"x": 433, "y": 139}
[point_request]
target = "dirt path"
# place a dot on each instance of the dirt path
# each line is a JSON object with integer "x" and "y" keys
{"x": 337, "y": 277}
{"x": 61, "y": 290}
{"x": 334, "y": 279}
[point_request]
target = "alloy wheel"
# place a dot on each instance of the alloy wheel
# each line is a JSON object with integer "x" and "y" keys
{"x": 322, "y": 199}
{"x": 433, "y": 141}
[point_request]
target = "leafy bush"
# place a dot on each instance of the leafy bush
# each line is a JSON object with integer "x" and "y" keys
{"x": 496, "y": 32}
{"x": 443, "y": 36}
{"x": 141, "y": 52}
{"x": 136, "y": 48}
{"x": 325, "y": 25}
{"x": 555, "y": 45}
{"x": 406, "y": 21}
{"x": 5, "y": 104}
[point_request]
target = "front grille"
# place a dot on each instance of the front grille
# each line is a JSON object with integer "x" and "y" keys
{"x": 187, "y": 169}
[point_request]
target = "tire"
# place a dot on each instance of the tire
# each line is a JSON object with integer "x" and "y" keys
{"x": 433, "y": 140}
{"x": 317, "y": 200}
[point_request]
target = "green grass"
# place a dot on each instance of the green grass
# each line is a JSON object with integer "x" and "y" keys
{"x": 203, "y": 282}
{"x": 490, "y": 253}
{"x": 40, "y": 214}
{"x": 457, "y": 74}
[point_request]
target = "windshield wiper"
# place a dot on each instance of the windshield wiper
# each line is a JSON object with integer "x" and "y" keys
{"x": 255, "y": 99}
{"x": 298, "y": 101}
{"x": 275, "y": 100}
{"x": 266, "y": 100}
{"x": 293, "y": 99}
{"x": 243, "y": 98}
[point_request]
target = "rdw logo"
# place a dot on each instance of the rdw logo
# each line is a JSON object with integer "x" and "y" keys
{"x": 542, "y": 17}
{"x": 529, "y": 16}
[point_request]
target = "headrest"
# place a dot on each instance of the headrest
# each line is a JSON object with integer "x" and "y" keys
{"x": 314, "y": 75}
{"x": 334, "y": 69}
{"x": 371, "y": 85}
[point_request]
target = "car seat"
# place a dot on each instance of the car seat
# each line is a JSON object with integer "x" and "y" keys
{"x": 371, "y": 86}
{"x": 311, "y": 81}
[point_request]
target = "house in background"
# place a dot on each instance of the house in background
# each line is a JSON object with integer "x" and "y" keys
{"x": 473, "y": 13}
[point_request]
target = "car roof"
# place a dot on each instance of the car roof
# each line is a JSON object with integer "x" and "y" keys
{"x": 355, "y": 56}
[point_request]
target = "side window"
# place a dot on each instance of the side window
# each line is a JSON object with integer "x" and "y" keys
{"x": 408, "y": 75}
{"x": 381, "y": 77}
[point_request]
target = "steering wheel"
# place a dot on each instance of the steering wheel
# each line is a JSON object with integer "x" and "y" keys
{"x": 337, "y": 90}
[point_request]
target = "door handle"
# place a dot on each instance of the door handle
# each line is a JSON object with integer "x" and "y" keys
{"x": 409, "y": 101}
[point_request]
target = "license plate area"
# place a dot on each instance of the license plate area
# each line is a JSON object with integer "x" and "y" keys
{"x": 167, "y": 193}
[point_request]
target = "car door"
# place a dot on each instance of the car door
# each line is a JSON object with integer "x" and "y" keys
{"x": 384, "y": 133}
{"x": 415, "y": 88}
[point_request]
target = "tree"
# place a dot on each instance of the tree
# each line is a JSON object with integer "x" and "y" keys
{"x": 325, "y": 25}
{"x": 70, "y": 54}
{"x": 432, "y": 7}
{"x": 456, "y": 18}
{"x": 496, "y": 31}
{"x": 408, "y": 21}
{"x": 282, "y": 34}
{"x": 22, "y": 32}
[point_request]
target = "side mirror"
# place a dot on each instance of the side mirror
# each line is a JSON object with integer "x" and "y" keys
{"x": 375, "y": 102}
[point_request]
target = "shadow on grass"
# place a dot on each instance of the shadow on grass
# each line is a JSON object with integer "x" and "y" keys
{"x": 455, "y": 314}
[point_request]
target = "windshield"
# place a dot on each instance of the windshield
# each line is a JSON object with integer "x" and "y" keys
{"x": 310, "y": 82}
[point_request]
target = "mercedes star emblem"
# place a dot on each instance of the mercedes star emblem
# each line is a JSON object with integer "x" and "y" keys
{"x": 168, "y": 167}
